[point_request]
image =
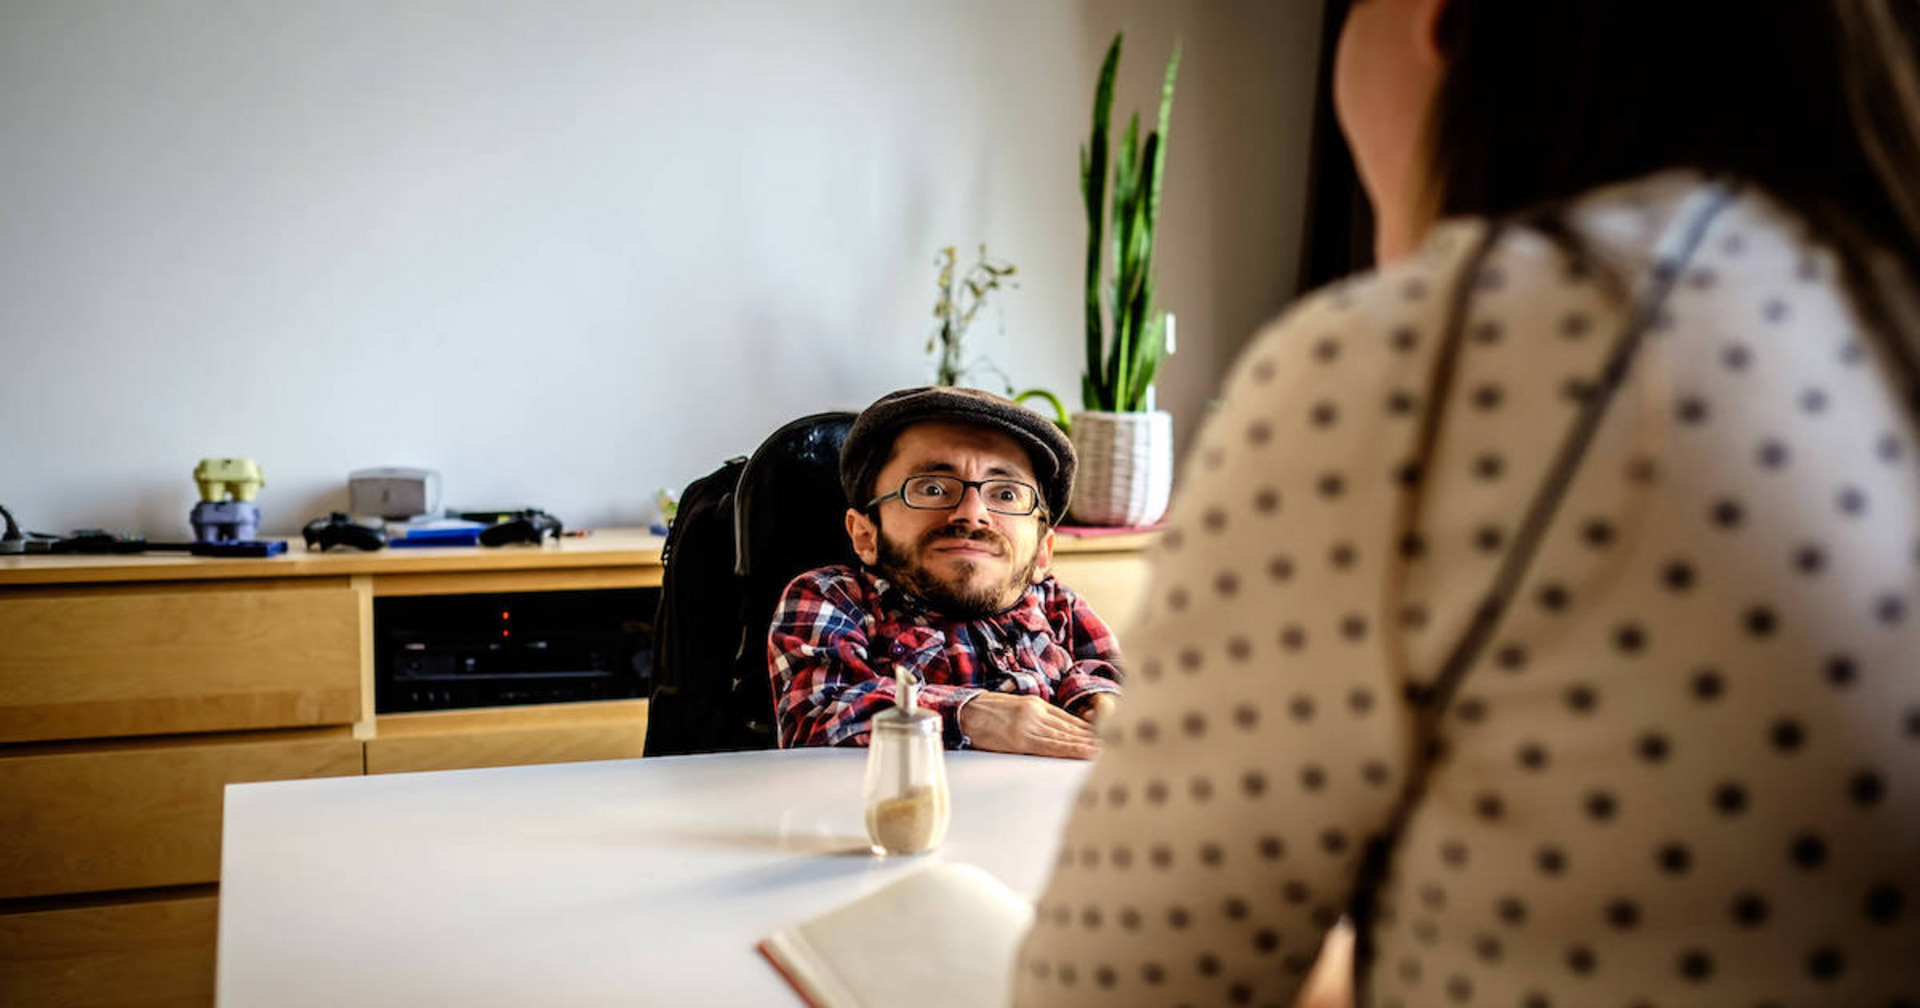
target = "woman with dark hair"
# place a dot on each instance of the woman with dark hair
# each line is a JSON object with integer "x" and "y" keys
{"x": 1547, "y": 602}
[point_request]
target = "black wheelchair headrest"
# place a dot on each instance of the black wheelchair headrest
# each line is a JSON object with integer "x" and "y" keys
{"x": 789, "y": 511}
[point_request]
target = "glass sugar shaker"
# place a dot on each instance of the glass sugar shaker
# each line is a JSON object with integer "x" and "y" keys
{"x": 906, "y": 798}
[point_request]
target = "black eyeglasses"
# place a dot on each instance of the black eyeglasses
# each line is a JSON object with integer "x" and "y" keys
{"x": 944, "y": 493}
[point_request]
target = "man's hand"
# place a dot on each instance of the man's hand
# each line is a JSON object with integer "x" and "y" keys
{"x": 1001, "y": 722}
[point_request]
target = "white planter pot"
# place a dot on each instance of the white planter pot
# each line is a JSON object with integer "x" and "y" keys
{"x": 1126, "y": 467}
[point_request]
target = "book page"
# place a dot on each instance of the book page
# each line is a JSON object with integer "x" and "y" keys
{"x": 944, "y": 935}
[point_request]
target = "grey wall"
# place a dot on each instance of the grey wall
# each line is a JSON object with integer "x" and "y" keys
{"x": 568, "y": 251}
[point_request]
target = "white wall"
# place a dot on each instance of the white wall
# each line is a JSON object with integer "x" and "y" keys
{"x": 567, "y": 251}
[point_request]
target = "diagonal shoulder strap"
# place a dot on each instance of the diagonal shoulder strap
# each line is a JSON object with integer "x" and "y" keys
{"x": 1674, "y": 250}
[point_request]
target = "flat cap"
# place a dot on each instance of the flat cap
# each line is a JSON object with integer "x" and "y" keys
{"x": 870, "y": 442}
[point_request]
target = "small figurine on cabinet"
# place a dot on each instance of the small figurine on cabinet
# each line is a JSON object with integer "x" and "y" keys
{"x": 226, "y": 512}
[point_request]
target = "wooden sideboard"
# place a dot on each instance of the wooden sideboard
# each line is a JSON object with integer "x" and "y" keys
{"x": 133, "y": 689}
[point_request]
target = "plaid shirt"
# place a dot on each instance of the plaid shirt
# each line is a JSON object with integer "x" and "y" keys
{"x": 839, "y": 634}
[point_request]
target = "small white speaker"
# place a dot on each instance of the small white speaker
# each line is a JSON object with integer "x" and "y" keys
{"x": 393, "y": 492}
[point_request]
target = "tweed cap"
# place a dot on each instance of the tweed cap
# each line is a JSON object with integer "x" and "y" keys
{"x": 870, "y": 442}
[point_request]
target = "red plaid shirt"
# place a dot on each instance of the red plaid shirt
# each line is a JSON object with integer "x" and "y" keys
{"x": 839, "y": 633}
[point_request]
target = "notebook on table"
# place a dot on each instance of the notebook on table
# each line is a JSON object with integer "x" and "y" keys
{"x": 958, "y": 930}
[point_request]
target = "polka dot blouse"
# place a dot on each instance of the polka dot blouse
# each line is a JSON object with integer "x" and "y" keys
{"x": 1682, "y": 767}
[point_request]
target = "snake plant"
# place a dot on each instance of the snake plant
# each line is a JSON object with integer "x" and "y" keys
{"x": 1121, "y": 368}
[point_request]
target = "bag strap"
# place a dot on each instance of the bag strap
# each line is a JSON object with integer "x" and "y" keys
{"x": 1673, "y": 251}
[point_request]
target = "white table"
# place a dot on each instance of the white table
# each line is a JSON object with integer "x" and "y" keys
{"x": 627, "y": 882}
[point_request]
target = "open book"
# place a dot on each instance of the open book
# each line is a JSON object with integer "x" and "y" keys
{"x": 944, "y": 935}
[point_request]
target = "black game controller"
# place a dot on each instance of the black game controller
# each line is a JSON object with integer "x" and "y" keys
{"x": 337, "y": 529}
{"x": 529, "y": 526}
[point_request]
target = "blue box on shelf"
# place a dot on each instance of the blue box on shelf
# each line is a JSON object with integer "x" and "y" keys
{"x": 440, "y": 533}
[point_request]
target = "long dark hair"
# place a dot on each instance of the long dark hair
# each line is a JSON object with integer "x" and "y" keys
{"x": 1816, "y": 101}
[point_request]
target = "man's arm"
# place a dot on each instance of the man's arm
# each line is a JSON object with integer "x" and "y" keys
{"x": 826, "y": 685}
{"x": 1083, "y": 692}
{"x": 1091, "y": 685}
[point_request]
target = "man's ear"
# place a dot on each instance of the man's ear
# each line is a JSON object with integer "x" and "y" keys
{"x": 865, "y": 536}
{"x": 1043, "y": 556}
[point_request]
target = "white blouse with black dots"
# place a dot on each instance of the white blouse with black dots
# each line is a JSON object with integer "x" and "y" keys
{"x": 1685, "y": 768}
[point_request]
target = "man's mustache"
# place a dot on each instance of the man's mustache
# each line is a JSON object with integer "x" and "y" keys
{"x": 961, "y": 533}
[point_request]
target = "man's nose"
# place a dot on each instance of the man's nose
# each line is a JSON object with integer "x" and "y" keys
{"x": 972, "y": 507}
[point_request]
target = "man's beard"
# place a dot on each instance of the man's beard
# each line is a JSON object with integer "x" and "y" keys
{"x": 962, "y": 600}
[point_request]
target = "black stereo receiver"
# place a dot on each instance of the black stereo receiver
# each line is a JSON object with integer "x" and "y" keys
{"x": 443, "y": 651}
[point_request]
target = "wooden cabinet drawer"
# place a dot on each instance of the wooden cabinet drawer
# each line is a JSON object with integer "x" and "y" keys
{"x": 152, "y": 953}
{"x": 90, "y": 818}
{"x": 508, "y": 736}
{"x": 87, "y": 663}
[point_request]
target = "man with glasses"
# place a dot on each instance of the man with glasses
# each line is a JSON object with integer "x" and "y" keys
{"x": 953, "y": 496}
